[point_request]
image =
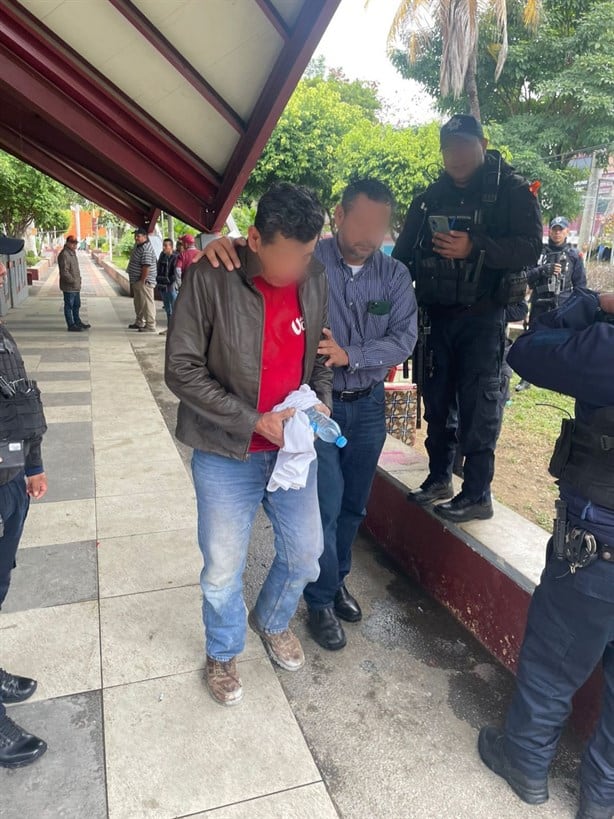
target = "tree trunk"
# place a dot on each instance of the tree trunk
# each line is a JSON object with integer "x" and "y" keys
{"x": 471, "y": 86}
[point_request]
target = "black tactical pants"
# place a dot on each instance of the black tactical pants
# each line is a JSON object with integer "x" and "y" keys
{"x": 463, "y": 397}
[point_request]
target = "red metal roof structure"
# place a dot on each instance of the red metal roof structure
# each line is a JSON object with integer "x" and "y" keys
{"x": 142, "y": 105}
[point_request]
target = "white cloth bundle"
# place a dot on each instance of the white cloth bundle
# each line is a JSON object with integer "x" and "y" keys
{"x": 293, "y": 459}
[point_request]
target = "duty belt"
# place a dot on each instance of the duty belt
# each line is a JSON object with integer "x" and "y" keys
{"x": 577, "y": 546}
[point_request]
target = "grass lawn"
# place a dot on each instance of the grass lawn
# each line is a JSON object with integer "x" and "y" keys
{"x": 530, "y": 428}
{"x": 121, "y": 260}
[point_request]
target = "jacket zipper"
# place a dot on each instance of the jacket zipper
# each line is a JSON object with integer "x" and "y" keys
{"x": 261, "y": 297}
{"x": 302, "y": 305}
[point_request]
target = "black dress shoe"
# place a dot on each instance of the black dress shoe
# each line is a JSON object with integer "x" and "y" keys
{"x": 430, "y": 491}
{"x": 84, "y": 326}
{"x": 461, "y": 509}
{"x": 18, "y": 748}
{"x": 591, "y": 810}
{"x": 492, "y": 751}
{"x": 14, "y": 688}
{"x": 134, "y": 326}
{"x": 74, "y": 328}
{"x": 326, "y": 629}
{"x": 347, "y": 606}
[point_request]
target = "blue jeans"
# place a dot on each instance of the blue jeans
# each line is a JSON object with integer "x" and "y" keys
{"x": 228, "y": 494}
{"x": 169, "y": 297}
{"x": 72, "y": 305}
{"x": 345, "y": 477}
{"x": 570, "y": 629}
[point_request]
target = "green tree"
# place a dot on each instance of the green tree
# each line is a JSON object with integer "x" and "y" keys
{"x": 406, "y": 159}
{"x": 304, "y": 146}
{"x": 557, "y": 90}
{"x": 456, "y": 26}
{"x": 555, "y": 97}
{"x": 28, "y": 196}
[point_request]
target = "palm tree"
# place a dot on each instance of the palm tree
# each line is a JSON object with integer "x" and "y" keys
{"x": 458, "y": 22}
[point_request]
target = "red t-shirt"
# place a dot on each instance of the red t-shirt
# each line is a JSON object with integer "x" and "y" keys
{"x": 283, "y": 350}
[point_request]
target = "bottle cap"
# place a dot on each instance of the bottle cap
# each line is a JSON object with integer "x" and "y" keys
{"x": 341, "y": 441}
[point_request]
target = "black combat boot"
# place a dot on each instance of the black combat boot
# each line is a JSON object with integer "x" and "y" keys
{"x": 491, "y": 745}
{"x": 431, "y": 491}
{"x": 18, "y": 748}
{"x": 15, "y": 689}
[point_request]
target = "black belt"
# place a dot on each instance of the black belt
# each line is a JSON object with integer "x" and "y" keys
{"x": 351, "y": 395}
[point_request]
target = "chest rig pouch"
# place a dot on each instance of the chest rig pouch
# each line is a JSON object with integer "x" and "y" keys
{"x": 440, "y": 281}
{"x": 584, "y": 457}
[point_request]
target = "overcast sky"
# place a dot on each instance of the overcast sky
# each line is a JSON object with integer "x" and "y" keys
{"x": 356, "y": 42}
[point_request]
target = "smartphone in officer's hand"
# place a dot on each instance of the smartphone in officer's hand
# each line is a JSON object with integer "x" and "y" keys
{"x": 439, "y": 224}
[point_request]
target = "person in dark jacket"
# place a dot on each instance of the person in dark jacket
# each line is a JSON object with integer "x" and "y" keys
{"x": 559, "y": 272}
{"x": 70, "y": 285}
{"x": 570, "y": 626}
{"x": 465, "y": 240}
{"x": 168, "y": 277}
{"x": 22, "y": 478}
{"x": 240, "y": 342}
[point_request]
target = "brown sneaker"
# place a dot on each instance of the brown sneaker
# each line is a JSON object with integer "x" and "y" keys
{"x": 284, "y": 648}
{"x": 223, "y": 681}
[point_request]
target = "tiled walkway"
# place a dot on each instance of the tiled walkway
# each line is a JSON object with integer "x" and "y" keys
{"x": 104, "y": 610}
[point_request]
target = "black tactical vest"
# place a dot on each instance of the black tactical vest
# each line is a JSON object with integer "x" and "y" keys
{"x": 447, "y": 282}
{"x": 584, "y": 457}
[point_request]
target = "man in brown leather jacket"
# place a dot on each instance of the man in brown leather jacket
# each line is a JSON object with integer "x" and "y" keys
{"x": 239, "y": 342}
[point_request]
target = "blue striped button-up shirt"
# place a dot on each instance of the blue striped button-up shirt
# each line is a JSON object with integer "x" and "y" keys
{"x": 372, "y": 315}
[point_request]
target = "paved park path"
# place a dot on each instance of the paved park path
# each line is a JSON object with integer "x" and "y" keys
{"x": 105, "y": 612}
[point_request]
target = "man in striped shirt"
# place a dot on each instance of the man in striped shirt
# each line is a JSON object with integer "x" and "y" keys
{"x": 142, "y": 272}
{"x": 372, "y": 316}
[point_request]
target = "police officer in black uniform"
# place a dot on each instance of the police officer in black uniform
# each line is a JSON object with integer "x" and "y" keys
{"x": 22, "y": 425}
{"x": 465, "y": 240}
{"x": 570, "y": 627}
{"x": 559, "y": 271}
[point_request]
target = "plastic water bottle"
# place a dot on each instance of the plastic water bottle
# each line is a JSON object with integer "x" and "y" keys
{"x": 325, "y": 428}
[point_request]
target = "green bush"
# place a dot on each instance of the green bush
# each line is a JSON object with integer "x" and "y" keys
{"x": 125, "y": 244}
{"x": 32, "y": 258}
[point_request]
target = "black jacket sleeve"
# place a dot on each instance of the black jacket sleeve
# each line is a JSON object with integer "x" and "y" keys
{"x": 521, "y": 245}
{"x": 410, "y": 234}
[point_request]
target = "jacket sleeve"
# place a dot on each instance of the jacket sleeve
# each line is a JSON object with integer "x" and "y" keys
{"x": 321, "y": 381}
{"x": 578, "y": 274}
{"x": 409, "y": 236}
{"x": 569, "y": 351}
{"x": 34, "y": 458}
{"x": 516, "y": 312}
{"x": 522, "y": 245}
{"x": 186, "y": 372}
{"x": 400, "y": 338}
{"x": 534, "y": 274}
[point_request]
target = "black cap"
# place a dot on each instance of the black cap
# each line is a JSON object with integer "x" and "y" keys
{"x": 141, "y": 231}
{"x": 8, "y": 247}
{"x": 461, "y": 125}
